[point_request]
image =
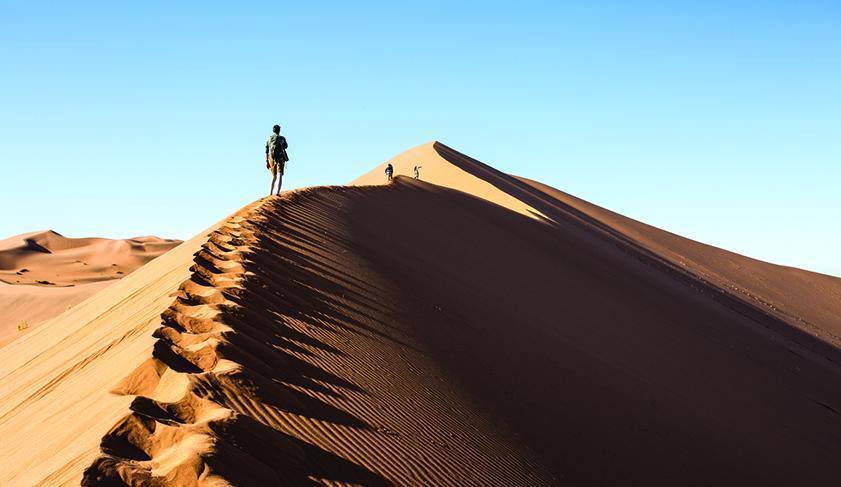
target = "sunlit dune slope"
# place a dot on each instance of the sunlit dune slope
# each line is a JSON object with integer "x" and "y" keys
{"x": 24, "y": 307}
{"x": 416, "y": 334}
{"x": 55, "y": 381}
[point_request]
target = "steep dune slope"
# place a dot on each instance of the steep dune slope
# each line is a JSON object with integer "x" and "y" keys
{"x": 296, "y": 372}
{"x": 24, "y": 307}
{"x": 55, "y": 402}
{"x": 414, "y": 334}
{"x": 808, "y": 301}
{"x": 44, "y": 273}
{"x": 411, "y": 334}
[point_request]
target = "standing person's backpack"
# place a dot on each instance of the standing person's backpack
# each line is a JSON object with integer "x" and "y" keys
{"x": 277, "y": 148}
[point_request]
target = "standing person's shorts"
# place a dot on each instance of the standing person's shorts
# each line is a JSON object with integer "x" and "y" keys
{"x": 277, "y": 167}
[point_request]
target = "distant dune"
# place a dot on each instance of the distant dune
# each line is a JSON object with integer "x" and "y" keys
{"x": 471, "y": 328}
{"x": 44, "y": 273}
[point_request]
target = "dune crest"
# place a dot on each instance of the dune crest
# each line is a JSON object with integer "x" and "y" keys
{"x": 416, "y": 334}
{"x": 260, "y": 397}
{"x": 437, "y": 161}
{"x": 808, "y": 301}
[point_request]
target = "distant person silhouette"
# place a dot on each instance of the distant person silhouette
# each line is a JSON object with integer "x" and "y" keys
{"x": 389, "y": 171}
{"x": 276, "y": 157}
{"x": 417, "y": 172}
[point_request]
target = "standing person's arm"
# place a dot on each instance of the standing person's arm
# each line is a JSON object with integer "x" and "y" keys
{"x": 267, "y": 155}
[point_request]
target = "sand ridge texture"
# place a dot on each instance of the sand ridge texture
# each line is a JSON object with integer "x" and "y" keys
{"x": 42, "y": 274}
{"x": 415, "y": 334}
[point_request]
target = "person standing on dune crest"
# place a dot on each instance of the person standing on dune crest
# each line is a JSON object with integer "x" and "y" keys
{"x": 389, "y": 171}
{"x": 276, "y": 157}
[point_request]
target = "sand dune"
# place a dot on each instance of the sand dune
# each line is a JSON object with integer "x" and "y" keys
{"x": 24, "y": 307}
{"x": 806, "y": 300}
{"x": 48, "y": 258}
{"x": 44, "y": 273}
{"x": 482, "y": 330}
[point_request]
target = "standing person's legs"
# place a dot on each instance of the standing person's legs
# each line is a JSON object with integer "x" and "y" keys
{"x": 281, "y": 167}
{"x": 273, "y": 169}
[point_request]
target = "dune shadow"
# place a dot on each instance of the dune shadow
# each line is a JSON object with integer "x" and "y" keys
{"x": 606, "y": 367}
{"x": 290, "y": 460}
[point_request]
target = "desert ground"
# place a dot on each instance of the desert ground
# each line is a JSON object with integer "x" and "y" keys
{"x": 44, "y": 273}
{"x": 467, "y": 328}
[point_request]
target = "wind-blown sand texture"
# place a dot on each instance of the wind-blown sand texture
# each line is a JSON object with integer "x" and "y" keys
{"x": 44, "y": 273}
{"x": 417, "y": 334}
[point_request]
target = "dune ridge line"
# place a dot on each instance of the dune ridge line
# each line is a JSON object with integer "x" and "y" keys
{"x": 220, "y": 402}
{"x": 166, "y": 441}
{"x": 417, "y": 333}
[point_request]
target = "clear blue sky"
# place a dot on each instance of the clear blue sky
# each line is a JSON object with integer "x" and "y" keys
{"x": 718, "y": 120}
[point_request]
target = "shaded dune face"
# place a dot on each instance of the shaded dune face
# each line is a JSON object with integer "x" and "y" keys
{"x": 412, "y": 334}
{"x": 806, "y": 301}
{"x": 297, "y": 372}
{"x": 472, "y": 328}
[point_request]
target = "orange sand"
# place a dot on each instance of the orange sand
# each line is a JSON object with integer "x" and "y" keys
{"x": 42, "y": 274}
{"x": 469, "y": 329}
